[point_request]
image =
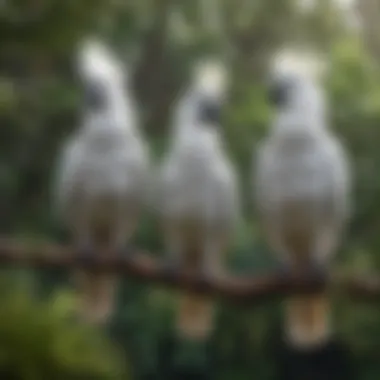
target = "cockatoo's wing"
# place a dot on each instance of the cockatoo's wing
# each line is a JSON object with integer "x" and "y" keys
{"x": 335, "y": 200}
{"x": 227, "y": 199}
{"x": 67, "y": 180}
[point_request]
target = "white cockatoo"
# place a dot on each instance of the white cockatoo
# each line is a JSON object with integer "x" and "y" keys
{"x": 198, "y": 193}
{"x": 103, "y": 174}
{"x": 303, "y": 184}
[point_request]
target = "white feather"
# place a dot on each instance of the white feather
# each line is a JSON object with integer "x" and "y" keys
{"x": 302, "y": 174}
{"x": 107, "y": 157}
{"x": 303, "y": 63}
{"x": 197, "y": 179}
{"x": 210, "y": 76}
{"x": 96, "y": 61}
{"x": 305, "y": 107}
{"x": 209, "y": 80}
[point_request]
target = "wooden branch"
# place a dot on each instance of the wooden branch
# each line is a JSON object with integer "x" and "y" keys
{"x": 249, "y": 290}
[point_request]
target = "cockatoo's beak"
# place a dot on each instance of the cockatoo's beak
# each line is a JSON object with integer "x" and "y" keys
{"x": 94, "y": 96}
{"x": 210, "y": 112}
{"x": 278, "y": 92}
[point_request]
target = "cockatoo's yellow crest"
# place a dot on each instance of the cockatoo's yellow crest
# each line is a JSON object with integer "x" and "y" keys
{"x": 211, "y": 76}
{"x": 299, "y": 62}
{"x": 95, "y": 60}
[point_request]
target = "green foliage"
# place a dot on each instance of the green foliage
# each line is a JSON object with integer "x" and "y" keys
{"x": 40, "y": 339}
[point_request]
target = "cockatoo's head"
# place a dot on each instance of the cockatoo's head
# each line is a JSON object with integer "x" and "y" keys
{"x": 99, "y": 71}
{"x": 209, "y": 84}
{"x": 295, "y": 82}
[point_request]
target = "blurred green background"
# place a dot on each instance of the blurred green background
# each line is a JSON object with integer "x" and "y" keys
{"x": 160, "y": 39}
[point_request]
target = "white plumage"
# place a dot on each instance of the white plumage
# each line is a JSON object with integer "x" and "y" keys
{"x": 302, "y": 182}
{"x": 199, "y": 181}
{"x": 198, "y": 195}
{"x": 104, "y": 171}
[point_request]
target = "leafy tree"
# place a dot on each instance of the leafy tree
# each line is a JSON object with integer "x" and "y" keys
{"x": 41, "y": 339}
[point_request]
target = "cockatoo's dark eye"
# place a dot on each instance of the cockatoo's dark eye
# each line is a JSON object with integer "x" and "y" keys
{"x": 210, "y": 111}
{"x": 94, "y": 95}
{"x": 278, "y": 92}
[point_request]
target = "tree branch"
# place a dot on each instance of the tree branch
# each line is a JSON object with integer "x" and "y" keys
{"x": 249, "y": 290}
